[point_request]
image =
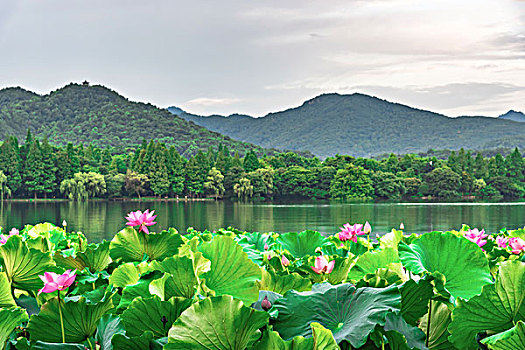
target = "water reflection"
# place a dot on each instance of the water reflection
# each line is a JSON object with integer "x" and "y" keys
{"x": 100, "y": 220}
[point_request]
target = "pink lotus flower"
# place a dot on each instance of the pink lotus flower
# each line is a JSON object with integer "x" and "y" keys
{"x": 143, "y": 220}
{"x": 502, "y": 241}
{"x": 4, "y": 238}
{"x": 350, "y": 232}
{"x": 516, "y": 244}
{"x": 322, "y": 265}
{"x": 476, "y": 236}
{"x": 54, "y": 282}
{"x": 284, "y": 261}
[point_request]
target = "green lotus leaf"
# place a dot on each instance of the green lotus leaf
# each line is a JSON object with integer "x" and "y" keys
{"x": 39, "y": 345}
{"x": 28, "y": 303}
{"x": 9, "y": 319}
{"x": 152, "y": 314}
{"x": 383, "y": 277}
{"x": 131, "y": 245}
{"x": 22, "y": 265}
{"x": 322, "y": 339}
{"x": 95, "y": 258}
{"x": 391, "y": 239}
{"x": 141, "y": 342}
{"x": 370, "y": 261}
{"x": 180, "y": 279}
{"x": 80, "y": 320}
{"x": 414, "y": 299}
{"x": 401, "y": 335}
{"x": 255, "y": 240}
{"x": 282, "y": 283}
{"x": 459, "y": 260}
{"x": 218, "y": 323}
{"x": 6, "y": 298}
{"x": 232, "y": 273}
{"x": 512, "y": 339}
{"x": 124, "y": 275}
{"x": 350, "y": 314}
{"x": 107, "y": 327}
{"x": 302, "y": 244}
{"x": 139, "y": 289}
{"x": 440, "y": 320}
{"x": 497, "y": 309}
{"x": 341, "y": 268}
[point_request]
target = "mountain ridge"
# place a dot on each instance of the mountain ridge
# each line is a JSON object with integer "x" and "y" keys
{"x": 83, "y": 113}
{"x": 324, "y": 125}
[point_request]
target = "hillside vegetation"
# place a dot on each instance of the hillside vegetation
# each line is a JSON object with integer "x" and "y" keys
{"x": 361, "y": 125}
{"x": 95, "y": 114}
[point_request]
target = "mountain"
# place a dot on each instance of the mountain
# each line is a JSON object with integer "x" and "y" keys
{"x": 513, "y": 115}
{"x": 362, "y": 125}
{"x": 83, "y": 114}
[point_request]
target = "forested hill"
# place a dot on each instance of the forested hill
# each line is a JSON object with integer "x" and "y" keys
{"x": 95, "y": 114}
{"x": 362, "y": 125}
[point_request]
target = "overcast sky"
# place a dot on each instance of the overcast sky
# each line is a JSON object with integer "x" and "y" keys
{"x": 457, "y": 57}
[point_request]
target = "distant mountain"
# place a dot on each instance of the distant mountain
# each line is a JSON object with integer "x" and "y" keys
{"x": 363, "y": 125}
{"x": 84, "y": 114}
{"x": 513, "y": 115}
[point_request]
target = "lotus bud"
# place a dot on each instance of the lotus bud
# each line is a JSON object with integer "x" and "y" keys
{"x": 367, "y": 228}
{"x": 401, "y": 226}
{"x": 266, "y": 247}
{"x": 64, "y": 223}
{"x": 284, "y": 261}
{"x": 265, "y": 304}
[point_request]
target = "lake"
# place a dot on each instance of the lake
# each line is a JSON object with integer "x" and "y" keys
{"x": 101, "y": 220}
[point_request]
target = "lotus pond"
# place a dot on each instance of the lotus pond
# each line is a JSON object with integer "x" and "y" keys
{"x": 247, "y": 290}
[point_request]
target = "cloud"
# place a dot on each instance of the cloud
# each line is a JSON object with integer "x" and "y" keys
{"x": 209, "y": 102}
{"x": 480, "y": 97}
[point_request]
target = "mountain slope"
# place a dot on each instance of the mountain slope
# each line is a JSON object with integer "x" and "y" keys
{"x": 84, "y": 114}
{"x": 513, "y": 115}
{"x": 361, "y": 125}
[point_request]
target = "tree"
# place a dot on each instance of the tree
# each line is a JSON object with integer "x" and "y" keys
{"x": 352, "y": 182}
{"x": 83, "y": 186}
{"x": 34, "y": 170}
{"x": 158, "y": 171}
{"x": 176, "y": 164}
{"x": 412, "y": 185}
{"x": 48, "y": 168}
{"x": 262, "y": 181}
{"x": 250, "y": 162}
{"x": 136, "y": 183}
{"x": 4, "y": 189}
{"x": 443, "y": 183}
{"x": 214, "y": 183}
{"x": 387, "y": 185}
{"x": 243, "y": 188}
{"x": 10, "y": 163}
{"x": 115, "y": 184}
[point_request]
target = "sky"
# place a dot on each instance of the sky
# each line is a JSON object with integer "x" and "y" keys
{"x": 254, "y": 57}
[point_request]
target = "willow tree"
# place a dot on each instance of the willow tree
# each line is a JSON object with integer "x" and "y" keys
{"x": 243, "y": 188}
{"x": 83, "y": 186}
{"x": 215, "y": 182}
{"x": 4, "y": 189}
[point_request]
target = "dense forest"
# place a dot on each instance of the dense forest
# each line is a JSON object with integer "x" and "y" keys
{"x": 38, "y": 169}
{"x": 97, "y": 115}
{"x": 362, "y": 125}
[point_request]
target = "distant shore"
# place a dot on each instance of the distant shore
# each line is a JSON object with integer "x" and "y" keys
{"x": 149, "y": 199}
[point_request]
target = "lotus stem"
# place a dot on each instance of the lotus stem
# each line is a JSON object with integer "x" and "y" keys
{"x": 61, "y": 319}
{"x": 428, "y": 321}
{"x": 368, "y": 240}
{"x": 382, "y": 343}
{"x": 90, "y": 345}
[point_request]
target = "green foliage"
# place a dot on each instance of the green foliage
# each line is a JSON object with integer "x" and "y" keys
{"x": 221, "y": 323}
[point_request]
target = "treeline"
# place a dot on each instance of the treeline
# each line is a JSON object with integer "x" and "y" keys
{"x": 38, "y": 169}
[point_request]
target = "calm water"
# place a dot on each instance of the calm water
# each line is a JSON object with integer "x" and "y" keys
{"x": 101, "y": 220}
